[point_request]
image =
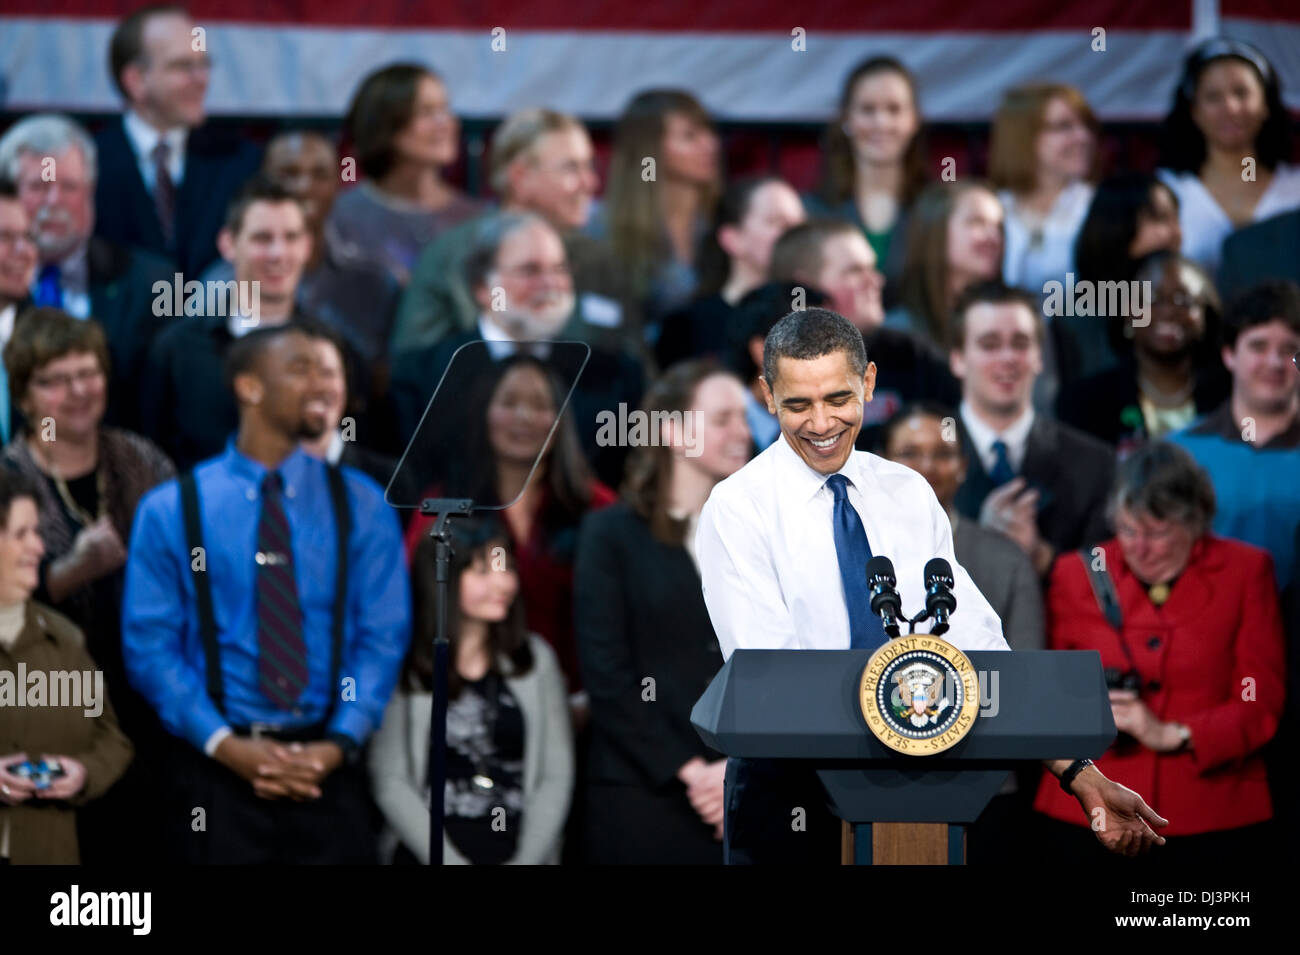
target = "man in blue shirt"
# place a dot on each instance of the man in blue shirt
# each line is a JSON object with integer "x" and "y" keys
{"x": 275, "y": 688}
{"x": 1251, "y": 445}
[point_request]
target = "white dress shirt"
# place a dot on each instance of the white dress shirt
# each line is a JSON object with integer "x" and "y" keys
{"x": 143, "y": 138}
{"x": 766, "y": 551}
{"x": 1204, "y": 223}
{"x": 982, "y": 436}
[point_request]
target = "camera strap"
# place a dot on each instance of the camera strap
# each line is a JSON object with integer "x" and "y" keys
{"x": 1103, "y": 588}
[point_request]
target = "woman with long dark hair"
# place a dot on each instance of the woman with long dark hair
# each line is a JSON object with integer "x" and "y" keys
{"x": 509, "y": 745}
{"x": 1132, "y": 215}
{"x": 543, "y": 507}
{"x": 874, "y": 159}
{"x": 954, "y": 239}
{"x": 664, "y": 178}
{"x": 654, "y": 790}
{"x": 1225, "y": 144}
{"x": 733, "y": 261}
{"x": 404, "y": 136}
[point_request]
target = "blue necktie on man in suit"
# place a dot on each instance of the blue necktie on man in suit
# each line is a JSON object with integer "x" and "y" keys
{"x": 1002, "y": 470}
{"x": 852, "y": 550}
{"x": 49, "y": 286}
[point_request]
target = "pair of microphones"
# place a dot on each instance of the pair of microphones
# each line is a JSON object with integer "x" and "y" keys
{"x": 940, "y": 601}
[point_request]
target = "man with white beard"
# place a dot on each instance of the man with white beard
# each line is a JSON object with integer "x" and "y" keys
{"x": 520, "y": 278}
{"x": 53, "y": 163}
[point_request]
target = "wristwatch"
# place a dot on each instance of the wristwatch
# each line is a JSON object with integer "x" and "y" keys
{"x": 1184, "y": 737}
{"x": 351, "y": 751}
{"x": 1071, "y": 771}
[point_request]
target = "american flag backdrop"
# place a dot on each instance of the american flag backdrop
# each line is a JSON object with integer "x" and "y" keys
{"x": 748, "y": 60}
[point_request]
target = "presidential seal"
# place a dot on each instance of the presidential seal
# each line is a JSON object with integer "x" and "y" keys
{"x": 919, "y": 695}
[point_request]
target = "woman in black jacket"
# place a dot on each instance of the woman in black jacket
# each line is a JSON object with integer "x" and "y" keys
{"x": 647, "y": 648}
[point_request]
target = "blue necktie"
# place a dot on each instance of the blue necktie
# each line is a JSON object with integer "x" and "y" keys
{"x": 852, "y": 550}
{"x": 49, "y": 287}
{"x": 1002, "y": 470}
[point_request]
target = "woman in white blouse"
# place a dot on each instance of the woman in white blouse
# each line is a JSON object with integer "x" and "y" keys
{"x": 1041, "y": 158}
{"x": 1223, "y": 146}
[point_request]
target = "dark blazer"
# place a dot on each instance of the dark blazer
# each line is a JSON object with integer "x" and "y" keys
{"x": 640, "y": 614}
{"x": 1004, "y": 575}
{"x": 1073, "y": 473}
{"x": 216, "y": 166}
{"x": 608, "y": 379}
{"x": 1262, "y": 250}
{"x": 122, "y": 294}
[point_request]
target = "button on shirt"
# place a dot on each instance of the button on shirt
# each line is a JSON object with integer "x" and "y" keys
{"x": 767, "y": 556}
{"x": 160, "y": 626}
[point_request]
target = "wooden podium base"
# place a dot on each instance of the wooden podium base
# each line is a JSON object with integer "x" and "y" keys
{"x": 902, "y": 843}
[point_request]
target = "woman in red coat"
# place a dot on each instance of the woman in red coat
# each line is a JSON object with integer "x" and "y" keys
{"x": 1195, "y": 668}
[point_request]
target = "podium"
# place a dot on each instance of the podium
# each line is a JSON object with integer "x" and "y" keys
{"x": 903, "y": 809}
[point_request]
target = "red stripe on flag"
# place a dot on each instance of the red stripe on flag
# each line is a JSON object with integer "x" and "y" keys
{"x": 741, "y": 16}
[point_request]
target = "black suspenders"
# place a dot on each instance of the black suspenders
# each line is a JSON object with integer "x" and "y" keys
{"x": 203, "y": 585}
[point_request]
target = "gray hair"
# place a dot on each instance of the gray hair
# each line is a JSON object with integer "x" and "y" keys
{"x": 46, "y": 134}
{"x": 494, "y": 229}
{"x": 810, "y": 334}
{"x": 517, "y": 134}
{"x": 1163, "y": 481}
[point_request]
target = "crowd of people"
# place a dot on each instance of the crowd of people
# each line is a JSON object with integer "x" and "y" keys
{"x": 216, "y": 355}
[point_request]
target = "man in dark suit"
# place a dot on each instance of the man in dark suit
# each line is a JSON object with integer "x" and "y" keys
{"x": 1042, "y": 483}
{"x": 187, "y": 406}
{"x": 1259, "y": 252}
{"x": 166, "y": 179}
{"x": 54, "y": 165}
{"x": 519, "y": 273}
{"x": 17, "y": 268}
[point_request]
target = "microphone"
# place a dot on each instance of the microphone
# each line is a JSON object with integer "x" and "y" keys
{"x": 885, "y": 602}
{"x": 939, "y": 599}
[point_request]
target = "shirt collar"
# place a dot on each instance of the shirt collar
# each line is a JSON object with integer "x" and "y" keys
{"x": 1221, "y": 422}
{"x": 294, "y": 469}
{"x": 144, "y": 137}
{"x": 982, "y": 436}
{"x": 501, "y": 345}
{"x": 804, "y": 482}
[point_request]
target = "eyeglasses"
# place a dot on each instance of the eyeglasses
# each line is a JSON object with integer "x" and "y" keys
{"x": 61, "y": 382}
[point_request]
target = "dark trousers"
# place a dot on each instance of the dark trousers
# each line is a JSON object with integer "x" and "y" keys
{"x": 763, "y": 823}
{"x": 241, "y": 828}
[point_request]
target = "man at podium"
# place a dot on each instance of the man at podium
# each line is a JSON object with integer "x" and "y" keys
{"x": 783, "y": 545}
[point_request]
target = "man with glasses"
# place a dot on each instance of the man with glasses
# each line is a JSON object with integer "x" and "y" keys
{"x": 541, "y": 162}
{"x": 17, "y": 269}
{"x": 53, "y": 163}
{"x": 518, "y": 272}
{"x": 167, "y": 179}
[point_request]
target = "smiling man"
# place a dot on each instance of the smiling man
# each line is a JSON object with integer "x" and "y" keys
{"x": 783, "y": 545}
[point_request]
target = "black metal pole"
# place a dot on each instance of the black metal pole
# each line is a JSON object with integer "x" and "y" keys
{"x": 438, "y": 719}
{"x": 445, "y": 509}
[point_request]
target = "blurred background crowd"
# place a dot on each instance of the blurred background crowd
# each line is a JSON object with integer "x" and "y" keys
{"x": 1085, "y": 340}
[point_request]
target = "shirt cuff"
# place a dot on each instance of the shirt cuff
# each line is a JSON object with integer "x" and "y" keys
{"x": 215, "y": 740}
